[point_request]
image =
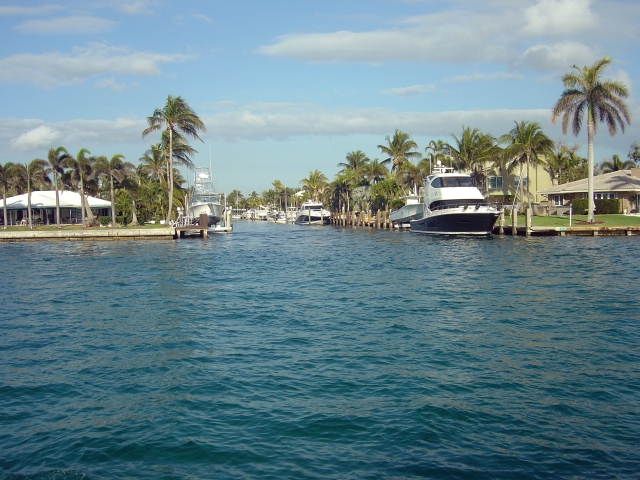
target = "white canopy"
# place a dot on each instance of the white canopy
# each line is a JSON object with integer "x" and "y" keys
{"x": 47, "y": 199}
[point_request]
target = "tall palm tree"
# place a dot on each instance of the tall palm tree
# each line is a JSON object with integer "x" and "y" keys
{"x": 131, "y": 184}
{"x": 33, "y": 174}
{"x": 616, "y": 164}
{"x": 315, "y": 184}
{"x": 399, "y": 149}
{"x": 56, "y": 158}
{"x": 471, "y": 150}
{"x": 409, "y": 176}
{"x": 175, "y": 117}
{"x": 601, "y": 100}
{"x": 115, "y": 169}
{"x": 81, "y": 171}
{"x": 436, "y": 150}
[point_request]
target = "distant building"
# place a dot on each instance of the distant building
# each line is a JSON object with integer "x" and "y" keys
{"x": 43, "y": 208}
{"x": 623, "y": 184}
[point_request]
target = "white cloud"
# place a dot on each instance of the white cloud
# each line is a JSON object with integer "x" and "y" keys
{"x": 559, "y": 56}
{"x": 475, "y": 77}
{"x": 39, "y": 138}
{"x": 55, "y": 69}
{"x": 67, "y": 25}
{"x": 28, "y": 11}
{"x": 110, "y": 83}
{"x": 411, "y": 91}
{"x": 559, "y": 17}
{"x": 135, "y": 8}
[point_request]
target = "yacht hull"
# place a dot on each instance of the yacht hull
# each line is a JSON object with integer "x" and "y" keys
{"x": 407, "y": 213}
{"x": 214, "y": 212}
{"x": 304, "y": 219}
{"x": 456, "y": 223}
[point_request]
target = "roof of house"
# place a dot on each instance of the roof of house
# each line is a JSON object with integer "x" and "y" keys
{"x": 620, "y": 181}
{"x": 47, "y": 199}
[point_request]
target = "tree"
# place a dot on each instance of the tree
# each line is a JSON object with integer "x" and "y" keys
{"x": 131, "y": 184}
{"x": 356, "y": 161}
{"x": 375, "y": 171}
{"x": 634, "y": 153}
{"x": 436, "y": 150}
{"x": 526, "y": 143}
{"x": 616, "y": 164}
{"x": 5, "y": 182}
{"x": 558, "y": 162}
{"x": 34, "y": 174}
{"x": 601, "y": 100}
{"x": 56, "y": 158}
{"x": 399, "y": 149}
{"x": 115, "y": 169}
{"x": 314, "y": 184}
{"x": 175, "y": 117}
{"x": 80, "y": 173}
{"x": 472, "y": 150}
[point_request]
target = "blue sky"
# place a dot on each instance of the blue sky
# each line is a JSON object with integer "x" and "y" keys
{"x": 288, "y": 86}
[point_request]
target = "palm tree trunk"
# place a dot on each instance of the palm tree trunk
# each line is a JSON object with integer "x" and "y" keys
{"x": 170, "y": 174}
{"x": 82, "y": 202}
{"x": 113, "y": 204}
{"x": 134, "y": 218}
{"x": 590, "y": 134}
{"x": 4, "y": 198}
{"x": 29, "y": 200}
{"x": 87, "y": 208}
{"x": 55, "y": 181}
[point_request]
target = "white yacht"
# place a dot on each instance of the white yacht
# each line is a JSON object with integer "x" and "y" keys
{"x": 204, "y": 198}
{"x": 412, "y": 210}
{"x": 312, "y": 213}
{"x": 453, "y": 205}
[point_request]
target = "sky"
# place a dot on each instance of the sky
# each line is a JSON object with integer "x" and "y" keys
{"x": 286, "y": 87}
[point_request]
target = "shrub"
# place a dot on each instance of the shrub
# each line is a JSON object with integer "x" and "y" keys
{"x": 580, "y": 206}
{"x": 608, "y": 206}
{"x": 603, "y": 206}
{"x": 104, "y": 220}
{"x": 397, "y": 203}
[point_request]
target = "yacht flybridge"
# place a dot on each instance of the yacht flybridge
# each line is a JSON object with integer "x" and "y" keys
{"x": 453, "y": 205}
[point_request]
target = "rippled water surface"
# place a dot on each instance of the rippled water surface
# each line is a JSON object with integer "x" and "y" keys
{"x": 307, "y": 352}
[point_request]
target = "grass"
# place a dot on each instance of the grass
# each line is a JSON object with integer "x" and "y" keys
{"x": 563, "y": 221}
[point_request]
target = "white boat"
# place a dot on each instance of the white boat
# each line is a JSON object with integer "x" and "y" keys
{"x": 453, "y": 205}
{"x": 411, "y": 211}
{"x": 312, "y": 213}
{"x": 204, "y": 198}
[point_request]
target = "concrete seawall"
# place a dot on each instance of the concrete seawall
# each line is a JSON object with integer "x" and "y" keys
{"x": 166, "y": 233}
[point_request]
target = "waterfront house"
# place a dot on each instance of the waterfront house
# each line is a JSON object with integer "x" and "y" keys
{"x": 623, "y": 185}
{"x": 43, "y": 207}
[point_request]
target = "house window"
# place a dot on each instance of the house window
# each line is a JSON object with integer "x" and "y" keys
{"x": 516, "y": 180}
{"x": 558, "y": 200}
{"x": 604, "y": 196}
{"x": 495, "y": 182}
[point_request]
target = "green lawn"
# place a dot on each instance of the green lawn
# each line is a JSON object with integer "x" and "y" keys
{"x": 563, "y": 221}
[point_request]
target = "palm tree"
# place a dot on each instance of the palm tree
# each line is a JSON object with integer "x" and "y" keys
{"x": 356, "y": 161}
{"x": 409, "y": 176}
{"x": 56, "y": 158}
{"x": 175, "y": 117}
{"x": 526, "y": 143}
{"x": 558, "y": 161}
{"x": 5, "y": 182}
{"x": 315, "y": 184}
{"x": 616, "y": 164}
{"x": 115, "y": 169}
{"x": 399, "y": 149}
{"x": 436, "y": 150}
{"x": 33, "y": 174}
{"x": 634, "y": 153}
{"x": 601, "y": 100}
{"x": 80, "y": 173}
{"x": 131, "y": 184}
{"x": 375, "y": 171}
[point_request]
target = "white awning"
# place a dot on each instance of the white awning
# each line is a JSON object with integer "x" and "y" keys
{"x": 47, "y": 199}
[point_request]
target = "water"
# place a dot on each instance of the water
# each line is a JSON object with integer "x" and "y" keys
{"x": 308, "y": 352}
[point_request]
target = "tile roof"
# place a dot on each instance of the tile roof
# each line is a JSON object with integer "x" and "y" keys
{"x": 620, "y": 181}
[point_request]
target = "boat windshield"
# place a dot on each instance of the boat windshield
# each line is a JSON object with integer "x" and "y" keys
{"x": 441, "y": 182}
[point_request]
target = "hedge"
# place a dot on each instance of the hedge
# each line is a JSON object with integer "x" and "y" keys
{"x": 603, "y": 206}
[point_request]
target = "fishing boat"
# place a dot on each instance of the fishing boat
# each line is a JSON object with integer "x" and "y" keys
{"x": 453, "y": 205}
{"x": 312, "y": 213}
{"x": 204, "y": 198}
